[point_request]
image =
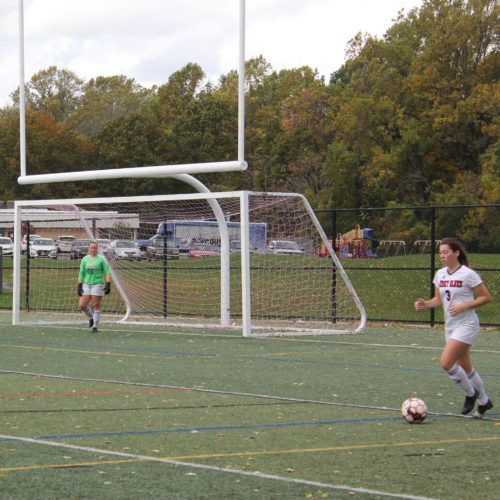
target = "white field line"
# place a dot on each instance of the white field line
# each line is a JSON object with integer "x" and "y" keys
{"x": 231, "y": 393}
{"x": 239, "y": 472}
{"x": 281, "y": 339}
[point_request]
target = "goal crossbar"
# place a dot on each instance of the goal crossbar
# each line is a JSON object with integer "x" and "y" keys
{"x": 134, "y": 172}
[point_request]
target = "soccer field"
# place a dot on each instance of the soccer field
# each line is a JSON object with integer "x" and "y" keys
{"x": 152, "y": 412}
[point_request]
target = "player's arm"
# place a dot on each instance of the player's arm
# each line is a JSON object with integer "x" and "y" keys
{"x": 106, "y": 270}
{"x": 422, "y": 305}
{"x": 81, "y": 274}
{"x": 81, "y": 277}
{"x": 107, "y": 276}
{"x": 482, "y": 296}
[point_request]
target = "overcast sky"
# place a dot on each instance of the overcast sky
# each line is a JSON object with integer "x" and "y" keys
{"x": 150, "y": 39}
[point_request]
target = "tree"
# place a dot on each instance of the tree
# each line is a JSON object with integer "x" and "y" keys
{"x": 50, "y": 147}
{"x": 107, "y": 98}
{"x": 181, "y": 89}
{"x": 55, "y": 92}
{"x": 411, "y": 106}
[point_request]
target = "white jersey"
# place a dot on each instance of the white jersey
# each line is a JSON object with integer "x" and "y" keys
{"x": 457, "y": 288}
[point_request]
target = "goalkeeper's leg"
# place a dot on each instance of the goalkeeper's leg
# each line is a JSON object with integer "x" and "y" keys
{"x": 96, "y": 306}
{"x": 84, "y": 305}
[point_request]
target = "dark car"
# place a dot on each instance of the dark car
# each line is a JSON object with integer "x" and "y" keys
{"x": 79, "y": 249}
{"x": 156, "y": 247}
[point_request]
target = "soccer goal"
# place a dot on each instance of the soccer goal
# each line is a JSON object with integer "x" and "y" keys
{"x": 232, "y": 260}
{"x": 424, "y": 246}
{"x": 391, "y": 248}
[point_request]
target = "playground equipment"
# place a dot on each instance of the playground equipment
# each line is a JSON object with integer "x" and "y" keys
{"x": 357, "y": 244}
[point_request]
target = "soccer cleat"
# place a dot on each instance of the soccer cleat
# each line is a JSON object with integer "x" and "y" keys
{"x": 94, "y": 329}
{"x": 481, "y": 409}
{"x": 91, "y": 322}
{"x": 469, "y": 403}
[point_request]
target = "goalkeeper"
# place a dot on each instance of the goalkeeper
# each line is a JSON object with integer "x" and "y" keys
{"x": 94, "y": 281}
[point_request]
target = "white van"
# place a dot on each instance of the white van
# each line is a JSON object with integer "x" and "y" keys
{"x": 285, "y": 247}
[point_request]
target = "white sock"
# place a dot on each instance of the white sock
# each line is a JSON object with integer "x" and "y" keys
{"x": 458, "y": 375}
{"x": 97, "y": 318}
{"x": 477, "y": 384}
{"x": 88, "y": 312}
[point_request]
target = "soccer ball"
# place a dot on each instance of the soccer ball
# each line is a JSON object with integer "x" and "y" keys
{"x": 414, "y": 410}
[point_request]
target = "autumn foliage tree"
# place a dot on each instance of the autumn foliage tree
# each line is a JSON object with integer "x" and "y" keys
{"x": 410, "y": 118}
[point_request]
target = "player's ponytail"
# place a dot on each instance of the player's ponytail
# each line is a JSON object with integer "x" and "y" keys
{"x": 456, "y": 245}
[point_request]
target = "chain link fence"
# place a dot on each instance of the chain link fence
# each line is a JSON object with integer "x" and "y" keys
{"x": 391, "y": 255}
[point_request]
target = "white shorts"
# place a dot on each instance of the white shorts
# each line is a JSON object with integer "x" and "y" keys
{"x": 466, "y": 333}
{"x": 95, "y": 290}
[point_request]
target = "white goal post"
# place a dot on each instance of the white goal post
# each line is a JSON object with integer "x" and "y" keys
{"x": 176, "y": 261}
{"x": 238, "y": 164}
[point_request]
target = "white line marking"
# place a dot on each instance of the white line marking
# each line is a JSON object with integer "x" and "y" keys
{"x": 233, "y": 393}
{"x": 130, "y": 329}
{"x": 239, "y": 472}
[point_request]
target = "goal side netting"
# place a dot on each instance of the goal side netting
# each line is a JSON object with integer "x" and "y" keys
{"x": 251, "y": 261}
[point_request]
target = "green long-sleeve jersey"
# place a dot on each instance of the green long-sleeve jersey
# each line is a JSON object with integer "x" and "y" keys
{"x": 93, "y": 270}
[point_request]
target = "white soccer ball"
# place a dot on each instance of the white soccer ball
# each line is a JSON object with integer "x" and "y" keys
{"x": 414, "y": 410}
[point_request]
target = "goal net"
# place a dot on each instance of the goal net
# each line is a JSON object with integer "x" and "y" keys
{"x": 253, "y": 261}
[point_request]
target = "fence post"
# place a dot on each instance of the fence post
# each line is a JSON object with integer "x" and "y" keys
{"x": 334, "y": 268}
{"x": 433, "y": 265}
{"x": 165, "y": 270}
{"x": 28, "y": 265}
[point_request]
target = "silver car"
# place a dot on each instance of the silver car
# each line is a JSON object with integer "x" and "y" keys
{"x": 42, "y": 247}
{"x": 65, "y": 243}
{"x": 6, "y": 245}
{"x": 285, "y": 247}
{"x": 24, "y": 242}
{"x": 123, "y": 249}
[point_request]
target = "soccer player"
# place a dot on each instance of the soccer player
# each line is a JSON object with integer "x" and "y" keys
{"x": 460, "y": 290}
{"x": 94, "y": 281}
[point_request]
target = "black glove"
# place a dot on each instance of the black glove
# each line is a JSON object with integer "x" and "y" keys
{"x": 79, "y": 289}
{"x": 107, "y": 288}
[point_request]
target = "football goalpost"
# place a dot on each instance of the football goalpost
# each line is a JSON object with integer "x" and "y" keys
{"x": 243, "y": 284}
{"x": 262, "y": 274}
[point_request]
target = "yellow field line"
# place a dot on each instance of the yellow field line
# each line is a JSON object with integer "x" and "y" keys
{"x": 81, "y": 351}
{"x": 333, "y": 448}
{"x": 61, "y": 466}
{"x": 107, "y": 353}
{"x": 255, "y": 453}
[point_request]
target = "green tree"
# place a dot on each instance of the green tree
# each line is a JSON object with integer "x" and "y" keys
{"x": 411, "y": 106}
{"x": 56, "y": 92}
{"x": 107, "y": 98}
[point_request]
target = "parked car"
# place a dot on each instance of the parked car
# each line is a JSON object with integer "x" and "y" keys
{"x": 104, "y": 244}
{"x": 182, "y": 246}
{"x": 25, "y": 239}
{"x": 42, "y": 247}
{"x": 155, "y": 249}
{"x": 80, "y": 249}
{"x": 285, "y": 247}
{"x": 235, "y": 246}
{"x": 123, "y": 249}
{"x": 64, "y": 243}
{"x": 6, "y": 245}
{"x": 199, "y": 250}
